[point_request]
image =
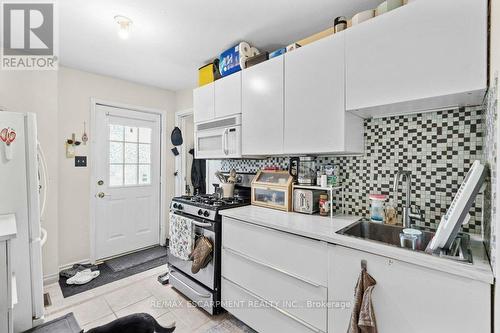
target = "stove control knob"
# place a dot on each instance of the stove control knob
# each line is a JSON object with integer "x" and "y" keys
{"x": 200, "y": 212}
{"x": 180, "y": 207}
{"x": 175, "y": 205}
{"x": 206, "y": 213}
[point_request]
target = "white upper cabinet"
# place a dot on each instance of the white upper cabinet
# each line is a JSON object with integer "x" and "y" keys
{"x": 262, "y": 108}
{"x": 425, "y": 55}
{"x": 228, "y": 95}
{"x": 315, "y": 117}
{"x": 203, "y": 103}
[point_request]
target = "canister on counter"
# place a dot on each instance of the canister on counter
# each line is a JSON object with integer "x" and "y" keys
{"x": 324, "y": 205}
{"x": 377, "y": 206}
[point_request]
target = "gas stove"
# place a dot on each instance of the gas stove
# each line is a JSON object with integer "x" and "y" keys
{"x": 206, "y": 205}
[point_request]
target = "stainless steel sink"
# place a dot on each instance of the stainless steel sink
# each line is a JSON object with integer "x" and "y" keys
{"x": 388, "y": 234}
{"x": 391, "y": 235}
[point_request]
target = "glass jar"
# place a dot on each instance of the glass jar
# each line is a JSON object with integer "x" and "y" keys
{"x": 377, "y": 203}
{"x": 324, "y": 205}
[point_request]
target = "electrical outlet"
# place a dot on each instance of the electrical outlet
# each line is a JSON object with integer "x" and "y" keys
{"x": 80, "y": 161}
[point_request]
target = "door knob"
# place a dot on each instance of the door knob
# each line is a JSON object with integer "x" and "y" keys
{"x": 101, "y": 195}
{"x": 100, "y": 182}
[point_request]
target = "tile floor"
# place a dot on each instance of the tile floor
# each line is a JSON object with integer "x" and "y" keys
{"x": 139, "y": 293}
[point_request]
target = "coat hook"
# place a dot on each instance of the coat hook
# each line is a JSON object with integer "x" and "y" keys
{"x": 363, "y": 264}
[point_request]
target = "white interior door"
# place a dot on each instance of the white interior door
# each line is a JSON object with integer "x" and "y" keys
{"x": 127, "y": 180}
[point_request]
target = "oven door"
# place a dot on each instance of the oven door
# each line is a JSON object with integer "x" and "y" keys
{"x": 205, "y": 275}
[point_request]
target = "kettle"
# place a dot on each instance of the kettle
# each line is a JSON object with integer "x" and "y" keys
{"x": 303, "y": 170}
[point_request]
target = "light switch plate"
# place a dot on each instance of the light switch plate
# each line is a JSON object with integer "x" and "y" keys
{"x": 81, "y": 161}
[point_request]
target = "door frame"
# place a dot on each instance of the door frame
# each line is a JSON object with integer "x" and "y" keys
{"x": 92, "y": 153}
{"x": 180, "y": 183}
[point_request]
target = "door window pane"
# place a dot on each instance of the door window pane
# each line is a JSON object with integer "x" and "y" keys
{"x": 144, "y": 135}
{"x": 130, "y": 153}
{"x": 116, "y": 175}
{"x": 131, "y": 134}
{"x": 116, "y": 132}
{"x": 115, "y": 152}
{"x": 130, "y": 174}
{"x": 145, "y": 174}
{"x": 144, "y": 153}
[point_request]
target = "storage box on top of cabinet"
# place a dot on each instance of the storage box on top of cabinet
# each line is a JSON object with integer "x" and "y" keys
{"x": 428, "y": 54}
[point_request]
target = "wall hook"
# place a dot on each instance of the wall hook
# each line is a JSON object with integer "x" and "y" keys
{"x": 363, "y": 264}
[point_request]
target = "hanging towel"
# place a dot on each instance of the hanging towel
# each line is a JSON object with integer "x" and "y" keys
{"x": 363, "y": 316}
{"x": 181, "y": 236}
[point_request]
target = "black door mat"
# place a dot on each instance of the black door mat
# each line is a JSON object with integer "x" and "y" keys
{"x": 64, "y": 324}
{"x": 107, "y": 275}
{"x": 137, "y": 258}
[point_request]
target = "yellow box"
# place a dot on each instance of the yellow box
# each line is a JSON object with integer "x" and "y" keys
{"x": 206, "y": 74}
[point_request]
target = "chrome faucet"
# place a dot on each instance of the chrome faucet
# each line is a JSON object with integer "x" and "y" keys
{"x": 408, "y": 214}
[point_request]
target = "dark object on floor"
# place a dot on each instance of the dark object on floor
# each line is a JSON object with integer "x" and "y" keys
{"x": 137, "y": 258}
{"x": 46, "y": 300}
{"x": 176, "y": 136}
{"x": 64, "y": 324}
{"x": 175, "y": 151}
{"x": 198, "y": 174}
{"x": 108, "y": 275}
{"x": 135, "y": 323}
{"x": 70, "y": 272}
{"x": 163, "y": 279}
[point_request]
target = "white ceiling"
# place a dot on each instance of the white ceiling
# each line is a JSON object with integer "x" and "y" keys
{"x": 171, "y": 39}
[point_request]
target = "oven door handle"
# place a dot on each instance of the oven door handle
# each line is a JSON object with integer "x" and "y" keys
{"x": 190, "y": 288}
{"x": 201, "y": 224}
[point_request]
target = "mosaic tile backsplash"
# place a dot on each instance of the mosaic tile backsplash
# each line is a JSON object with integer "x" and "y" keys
{"x": 437, "y": 147}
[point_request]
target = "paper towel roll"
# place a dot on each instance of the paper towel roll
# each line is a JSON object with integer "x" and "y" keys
{"x": 243, "y": 61}
{"x": 255, "y": 51}
{"x": 245, "y": 49}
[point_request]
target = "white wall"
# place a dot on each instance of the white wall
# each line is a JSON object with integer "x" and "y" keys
{"x": 76, "y": 88}
{"x": 27, "y": 91}
{"x": 184, "y": 99}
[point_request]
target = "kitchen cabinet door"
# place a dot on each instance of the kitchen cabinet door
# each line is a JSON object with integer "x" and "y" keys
{"x": 315, "y": 117}
{"x": 262, "y": 108}
{"x": 203, "y": 103}
{"x": 228, "y": 95}
{"x": 407, "y": 298}
{"x": 425, "y": 55}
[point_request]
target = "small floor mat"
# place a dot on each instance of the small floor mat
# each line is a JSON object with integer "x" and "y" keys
{"x": 137, "y": 258}
{"x": 108, "y": 275}
{"x": 64, "y": 324}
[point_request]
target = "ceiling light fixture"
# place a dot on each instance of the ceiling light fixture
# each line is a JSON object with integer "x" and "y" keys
{"x": 124, "y": 24}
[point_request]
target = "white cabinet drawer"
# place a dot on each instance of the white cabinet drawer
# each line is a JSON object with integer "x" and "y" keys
{"x": 259, "y": 314}
{"x": 286, "y": 291}
{"x": 300, "y": 256}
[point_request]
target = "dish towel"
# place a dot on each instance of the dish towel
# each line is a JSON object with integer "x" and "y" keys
{"x": 363, "y": 316}
{"x": 181, "y": 236}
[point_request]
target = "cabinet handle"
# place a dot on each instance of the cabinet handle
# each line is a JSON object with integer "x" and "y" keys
{"x": 258, "y": 262}
{"x": 226, "y": 144}
{"x": 260, "y": 299}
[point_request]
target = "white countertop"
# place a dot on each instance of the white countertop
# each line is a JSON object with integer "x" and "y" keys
{"x": 324, "y": 228}
{"x": 8, "y": 228}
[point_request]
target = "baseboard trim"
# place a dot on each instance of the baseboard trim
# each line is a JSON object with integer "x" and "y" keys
{"x": 50, "y": 279}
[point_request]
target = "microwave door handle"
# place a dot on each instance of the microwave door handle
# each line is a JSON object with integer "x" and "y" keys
{"x": 225, "y": 139}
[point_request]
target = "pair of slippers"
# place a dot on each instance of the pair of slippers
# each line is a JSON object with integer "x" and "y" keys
{"x": 83, "y": 277}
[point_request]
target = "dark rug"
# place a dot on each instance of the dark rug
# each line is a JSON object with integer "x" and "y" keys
{"x": 108, "y": 275}
{"x": 137, "y": 258}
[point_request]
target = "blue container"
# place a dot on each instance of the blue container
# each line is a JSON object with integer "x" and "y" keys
{"x": 277, "y": 53}
{"x": 229, "y": 61}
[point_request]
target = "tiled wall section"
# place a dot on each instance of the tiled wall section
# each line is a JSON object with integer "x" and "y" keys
{"x": 490, "y": 152}
{"x": 437, "y": 147}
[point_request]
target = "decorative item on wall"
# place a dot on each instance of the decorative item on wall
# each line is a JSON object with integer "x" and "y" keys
{"x": 8, "y": 135}
{"x": 70, "y": 146}
{"x": 85, "y": 137}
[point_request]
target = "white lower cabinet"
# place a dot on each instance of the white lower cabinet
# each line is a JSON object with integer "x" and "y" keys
{"x": 278, "y": 277}
{"x": 407, "y": 298}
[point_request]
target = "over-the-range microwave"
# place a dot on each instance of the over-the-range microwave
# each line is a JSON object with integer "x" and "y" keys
{"x": 218, "y": 138}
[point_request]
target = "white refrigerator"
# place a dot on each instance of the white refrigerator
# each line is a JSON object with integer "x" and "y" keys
{"x": 19, "y": 195}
